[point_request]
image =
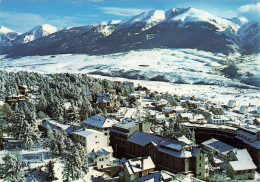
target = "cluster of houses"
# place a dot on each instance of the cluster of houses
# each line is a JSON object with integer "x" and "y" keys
{"x": 125, "y": 148}
{"x": 122, "y": 145}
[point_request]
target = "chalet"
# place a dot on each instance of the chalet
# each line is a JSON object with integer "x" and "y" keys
{"x": 190, "y": 117}
{"x": 102, "y": 157}
{"x": 243, "y": 109}
{"x": 159, "y": 105}
{"x": 171, "y": 155}
{"x": 90, "y": 139}
{"x": 231, "y": 103}
{"x": 108, "y": 102}
{"x": 198, "y": 119}
{"x": 219, "y": 120}
{"x": 99, "y": 123}
{"x": 137, "y": 168}
{"x": 13, "y": 99}
{"x": 169, "y": 112}
{"x": 240, "y": 165}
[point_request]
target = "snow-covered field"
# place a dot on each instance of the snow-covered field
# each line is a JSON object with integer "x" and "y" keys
{"x": 167, "y": 68}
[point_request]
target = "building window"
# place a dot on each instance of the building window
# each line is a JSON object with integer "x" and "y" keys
{"x": 200, "y": 165}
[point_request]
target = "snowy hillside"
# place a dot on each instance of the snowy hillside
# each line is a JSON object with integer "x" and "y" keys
{"x": 249, "y": 35}
{"x": 36, "y": 33}
{"x": 183, "y": 71}
{"x": 169, "y": 65}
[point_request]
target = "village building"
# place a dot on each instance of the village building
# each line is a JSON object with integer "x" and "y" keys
{"x": 238, "y": 163}
{"x": 121, "y": 131}
{"x": 137, "y": 168}
{"x": 243, "y": 109}
{"x": 219, "y": 148}
{"x": 107, "y": 101}
{"x": 14, "y": 99}
{"x": 90, "y": 139}
{"x": 99, "y": 123}
{"x": 232, "y": 103}
{"x": 219, "y": 120}
{"x": 169, "y": 112}
{"x": 172, "y": 155}
{"x": 159, "y": 105}
{"x": 249, "y": 138}
{"x": 190, "y": 117}
{"x": 101, "y": 157}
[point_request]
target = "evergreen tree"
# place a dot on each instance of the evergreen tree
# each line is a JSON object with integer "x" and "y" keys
{"x": 13, "y": 167}
{"x": 28, "y": 134}
{"x": 50, "y": 174}
{"x": 75, "y": 162}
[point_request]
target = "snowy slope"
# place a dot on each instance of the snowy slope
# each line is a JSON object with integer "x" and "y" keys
{"x": 183, "y": 71}
{"x": 249, "y": 31}
{"x": 171, "y": 65}
{"x": 36, "y": 33}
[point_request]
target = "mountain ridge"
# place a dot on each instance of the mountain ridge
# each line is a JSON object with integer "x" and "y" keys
{"x": 173, "y": 28}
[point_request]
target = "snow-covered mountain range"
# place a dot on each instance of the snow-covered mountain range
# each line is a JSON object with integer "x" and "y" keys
{"x": 173, "y": 28}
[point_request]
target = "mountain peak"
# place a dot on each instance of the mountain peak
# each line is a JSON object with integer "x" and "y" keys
{"x": 5, "y": 30}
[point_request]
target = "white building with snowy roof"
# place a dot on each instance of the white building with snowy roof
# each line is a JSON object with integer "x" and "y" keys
{"x": 240, "y": 165}
{"x": 102, "y": 157}
{"x": 137, "y": 167}
{"x": 219, "y": 120}
{"x": 90, "y": 139}
{"x": 99, "y": 123}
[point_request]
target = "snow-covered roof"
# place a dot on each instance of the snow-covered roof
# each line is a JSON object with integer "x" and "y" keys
{"x": 101, "y": 151}
{"x": 218, "y": 146}
{"x": 243, "y": 109}
{"x": 139, "y": 164}
{"x": 185, "y": 140}
{"x": 143, "y": 139}
{"x": 99, "y": 122}
{"x": 126, "y": 123}
{"x": 249, "y": 129}
{"x": 219, "y": 117}
{"x": 173, "y": 148}
{"x": 161, "y": 102}
{"x": 104, "y": 99}
{"x": 247, "y": 134}
{"x": 255, "y": 144}
{"x": 70, "y": 129}
{"x": 230, "y": 103}
{"x": 54, "y": 124}
{"x": 86, "y": 132}
{"x": 243, "y": 162}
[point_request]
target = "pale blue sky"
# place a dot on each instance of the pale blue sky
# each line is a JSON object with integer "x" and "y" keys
{"x": 23, "y": 15}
